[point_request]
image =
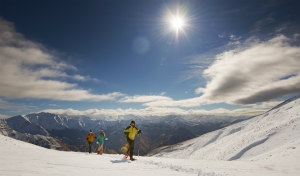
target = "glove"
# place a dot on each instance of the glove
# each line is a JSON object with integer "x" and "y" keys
{"x": 139, "y": 131}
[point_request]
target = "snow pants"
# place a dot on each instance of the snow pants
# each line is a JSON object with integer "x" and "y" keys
{"x": 131, "y": 147}
{"x": 90, "y": 147}
{"x": 100, "y": 149}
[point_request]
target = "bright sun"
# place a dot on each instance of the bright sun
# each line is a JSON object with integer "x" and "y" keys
{"x": 177, "y": 23}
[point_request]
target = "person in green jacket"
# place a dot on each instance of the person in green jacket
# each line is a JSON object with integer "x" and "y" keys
{"x": 100, "y": 141}
{"x": 130, "y": 132}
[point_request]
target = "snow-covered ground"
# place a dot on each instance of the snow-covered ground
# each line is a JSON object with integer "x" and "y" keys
{"x": 20, "y": 158}
{"x": 273, "y": 134}
{"x": 267, "y": 145}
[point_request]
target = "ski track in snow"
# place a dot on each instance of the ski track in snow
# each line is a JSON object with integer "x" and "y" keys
{"x": 247, "y": 148}
{"x": 214, "y": 138}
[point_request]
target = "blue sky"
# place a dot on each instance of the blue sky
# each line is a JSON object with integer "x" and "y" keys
{"x": 110, "y": 58}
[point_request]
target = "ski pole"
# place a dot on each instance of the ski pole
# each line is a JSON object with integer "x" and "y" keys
{"x": 139, "y": 145}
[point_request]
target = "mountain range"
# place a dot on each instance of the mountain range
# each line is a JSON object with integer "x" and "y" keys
{"x": 64, "y": 132}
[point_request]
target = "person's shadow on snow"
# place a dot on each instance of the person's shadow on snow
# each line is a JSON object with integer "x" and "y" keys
{"x": 120, "y": 161}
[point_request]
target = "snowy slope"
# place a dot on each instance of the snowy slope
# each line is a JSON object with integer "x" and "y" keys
{"x": 267, "y": 145}
{"x": 271, "y": 136}
{"x": 20, "y": 158}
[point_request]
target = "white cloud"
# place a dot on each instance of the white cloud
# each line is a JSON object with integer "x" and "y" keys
{"x": 84, "y": 78}
{"x": 120, "y": 113}
{"x": 144, "y": 98}
{"x": 113, "y": 114}
{"x": 28, "y": 70}
{"x": 191, "y": 102}
{"x": 258, "y": 72}
{"x": 199, "y": 90}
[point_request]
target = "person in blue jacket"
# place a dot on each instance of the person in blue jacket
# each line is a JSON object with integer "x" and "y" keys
{"x": 100, "y": 141}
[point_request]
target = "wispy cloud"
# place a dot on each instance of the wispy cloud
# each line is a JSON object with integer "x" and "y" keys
{"x": 256, "y": 72}
{"x": 113, "y": 114}
{"x": 119, "y": 113}
{"x": 84, "y": 78}
{"x": 144, "y": 98}
{"x": 29, "y": 70}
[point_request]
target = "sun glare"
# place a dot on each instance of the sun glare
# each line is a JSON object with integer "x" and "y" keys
{"x": 177, "y": 23}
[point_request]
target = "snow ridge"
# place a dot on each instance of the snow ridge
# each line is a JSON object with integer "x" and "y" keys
{"x": 244, "y": 140}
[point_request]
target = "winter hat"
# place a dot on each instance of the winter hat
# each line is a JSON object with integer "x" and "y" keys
{"x": 91, "y": 130}
{"x": 133, "y": 121}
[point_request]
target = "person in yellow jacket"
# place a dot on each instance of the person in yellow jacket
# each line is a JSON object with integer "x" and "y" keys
{"x": 90, "y": 137}
{"x": 130, "y": 132}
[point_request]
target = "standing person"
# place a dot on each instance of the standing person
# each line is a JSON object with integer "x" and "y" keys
{"x": 131, "y": 131}
{"x": 90, "y": 137}
{"x": 100, "y": 142}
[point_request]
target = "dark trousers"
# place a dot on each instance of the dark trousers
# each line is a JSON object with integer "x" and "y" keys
{"x": 131, "y": 147}
{"x": 90, "y": 147}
